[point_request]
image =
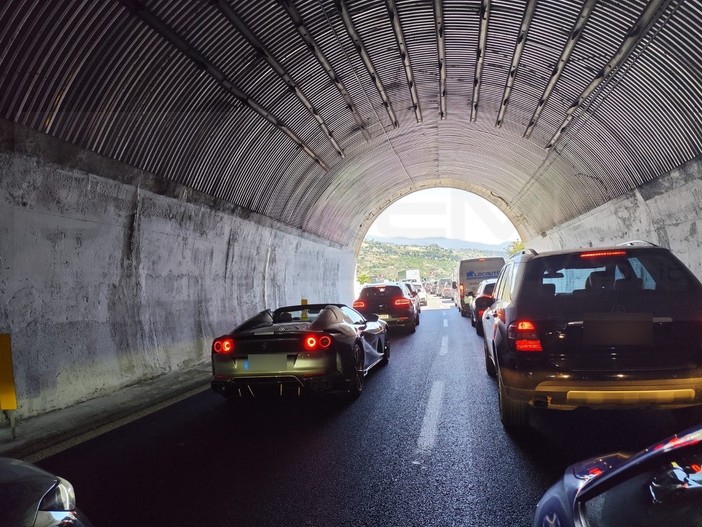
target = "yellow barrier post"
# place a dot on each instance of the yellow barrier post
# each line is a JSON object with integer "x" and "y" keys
{"x": 304, "y": 314}
{"x": 8, "y": 397}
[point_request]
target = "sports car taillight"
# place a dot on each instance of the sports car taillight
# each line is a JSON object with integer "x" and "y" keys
{"x": 359, "y": 304}
{"x": 522, "y": 335}
{"x": 316, "y": 342}
{"x": 223, "y": 346}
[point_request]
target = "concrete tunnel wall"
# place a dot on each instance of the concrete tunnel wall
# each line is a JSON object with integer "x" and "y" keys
{"x": 109, "y": 276}
{"x": 105, "y": 283}
{"x": 666, "y": 211}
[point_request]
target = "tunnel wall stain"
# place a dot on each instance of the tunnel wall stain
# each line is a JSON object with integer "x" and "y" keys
{"x": 666, "y": 211}
{"x": 105, "y": 283}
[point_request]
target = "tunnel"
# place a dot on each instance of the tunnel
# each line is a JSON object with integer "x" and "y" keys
{"x": 168, "y": 168}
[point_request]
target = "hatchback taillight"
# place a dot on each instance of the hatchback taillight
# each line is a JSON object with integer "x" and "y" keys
{"x": 359, "y": 304}
{"x": 523, "y": 337}
{"x": 223, "y": 346}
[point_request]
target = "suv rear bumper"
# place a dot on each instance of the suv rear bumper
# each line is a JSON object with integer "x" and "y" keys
{"x": 568, "y": 394}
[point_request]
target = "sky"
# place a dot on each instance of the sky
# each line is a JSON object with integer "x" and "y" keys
{"x": 445, "y": 213}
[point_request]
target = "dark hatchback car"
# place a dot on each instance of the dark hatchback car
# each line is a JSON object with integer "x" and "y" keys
{"x": 391, "y": 302}
{"x": 614, "y": 327}
{"x": 660, "y": 486}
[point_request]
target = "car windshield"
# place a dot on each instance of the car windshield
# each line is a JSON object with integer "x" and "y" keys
{"x": 297, "y": 313}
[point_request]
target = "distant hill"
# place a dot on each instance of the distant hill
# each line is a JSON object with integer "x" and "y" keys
{"x": 387, "y": 258}
{"x": 447, "y": 243}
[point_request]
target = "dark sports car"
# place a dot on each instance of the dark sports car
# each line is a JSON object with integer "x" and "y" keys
{"x": 33, "y": 497}
{"x": 320, "y": 348}
{"x": 660, "y": 486}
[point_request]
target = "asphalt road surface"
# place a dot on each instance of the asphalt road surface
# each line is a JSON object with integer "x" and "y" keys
{"x": 423, "y": 446}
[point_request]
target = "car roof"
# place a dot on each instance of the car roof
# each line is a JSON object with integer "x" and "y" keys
{"x": 621, "y": 247}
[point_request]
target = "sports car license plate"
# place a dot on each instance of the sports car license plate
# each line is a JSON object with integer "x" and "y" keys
{"x": 268, "y": 362}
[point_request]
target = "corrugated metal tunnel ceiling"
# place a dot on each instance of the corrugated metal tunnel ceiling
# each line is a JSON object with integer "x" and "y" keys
{"x": 320, "y": 113}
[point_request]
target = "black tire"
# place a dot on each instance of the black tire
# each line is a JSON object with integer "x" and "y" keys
{"x": 489, "y": 366}
{"x": 472, "y": 319}
{"x": 386, "y": 352}
{"x": 356, "y": 380}
{"x": 513, "y": 414}
{"x": 416, "y": 320}
{"x": 479, "y": 329}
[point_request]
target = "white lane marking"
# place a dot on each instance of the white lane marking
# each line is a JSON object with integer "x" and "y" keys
{"x": 430, "y": 424}
{"x": 445, "y": 323}
{"x": 444, "y": 345}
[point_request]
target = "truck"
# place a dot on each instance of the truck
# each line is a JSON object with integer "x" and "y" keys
{"x": 410, "y": 275}
{"x": 470, "y": 273}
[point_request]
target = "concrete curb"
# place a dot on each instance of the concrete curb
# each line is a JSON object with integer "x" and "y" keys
{"x": 44, "y": 435}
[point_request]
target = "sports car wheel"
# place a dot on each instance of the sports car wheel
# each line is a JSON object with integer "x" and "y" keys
{"x": 357, "y": 373}
{"x": 513, "y": 414}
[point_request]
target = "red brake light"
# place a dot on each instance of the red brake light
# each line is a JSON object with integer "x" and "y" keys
{"x": 523, "y": 336}
{"x": 223, "y": 346}
{"x": 359, "y": 304}
{"x": 402, "y": 301}
{"x": 461, "y": 287}
{"x": 316, "y": 342}
{"x": 599, "y": 254}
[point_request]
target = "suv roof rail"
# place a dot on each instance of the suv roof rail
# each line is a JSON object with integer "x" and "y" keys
{"x": 637, "y": 242}
{"x": 523, "y": 251}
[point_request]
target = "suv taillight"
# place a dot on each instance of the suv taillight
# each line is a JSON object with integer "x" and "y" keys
{"x": 402, "y": 302}
{"x": 523, "y": 337}
{"x": 223, "y": 346}
{"x": 359, "y": 304}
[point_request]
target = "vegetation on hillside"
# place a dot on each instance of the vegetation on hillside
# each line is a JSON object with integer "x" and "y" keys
{"x": 378, "y": 261}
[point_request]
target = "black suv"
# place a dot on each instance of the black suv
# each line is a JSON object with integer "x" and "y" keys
{"x": 600, "y": 328}
{"x": 392, "y": 303}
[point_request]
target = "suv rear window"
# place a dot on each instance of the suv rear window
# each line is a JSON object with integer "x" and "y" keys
{"x": 602, "y": 271}
{"x": 380, "y": 292}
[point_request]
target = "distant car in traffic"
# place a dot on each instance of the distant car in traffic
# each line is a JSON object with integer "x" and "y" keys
{"x": 479, "y": 302}
{"x": 660, "y": 486}
{"x": 421, "y": 292}
{"x": 413, "y": 293}
{"x": 611, "y": 327}
{"x": 391, "y": 302}
{"x": 445, "y": 288}
{"x": 309, "y": 348}
{"x": 33, "y": 497}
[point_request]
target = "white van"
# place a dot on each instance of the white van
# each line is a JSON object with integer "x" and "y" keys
{"x": 470, "y": 274}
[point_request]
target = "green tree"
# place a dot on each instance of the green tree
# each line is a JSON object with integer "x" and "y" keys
{"x": 364, "y": 279}
{"x": 515, "y": 247}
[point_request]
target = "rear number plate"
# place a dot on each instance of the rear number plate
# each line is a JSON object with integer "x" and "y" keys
{"x": 267, "y": 362}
